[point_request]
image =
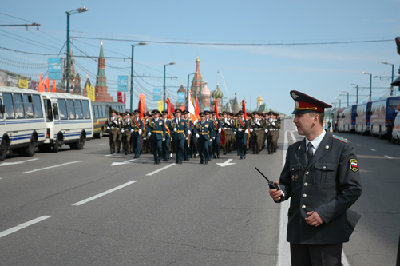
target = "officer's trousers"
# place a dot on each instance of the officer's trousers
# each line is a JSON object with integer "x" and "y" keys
{"x": 137, "y": 144}
{"x": 216, "y": 145}
{"x": 203, "y": 149}
{"x": 156, "y": 145}
{"x": 126, "y": 141}
{"x": 179, "y": 147}
{"x": 165, "y": 148}
{"x": 113, "y": 135}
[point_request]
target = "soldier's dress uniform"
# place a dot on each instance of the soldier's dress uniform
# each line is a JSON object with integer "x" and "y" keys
{"x": 137, "y": 129}
{"x": 126, "y": 133}
{"x": 327, "y": 183}
{"x": 167, "y": 140}
{"x": 180, "y": 128}
{"x": 257, "y": 134}
{"x": 227, "y": 127}
{"x": 157, "y": 131}
{"x": 217, "y": 126}
{"x": 241, "y": 129}
{"x": 114, "y": 127}
{"x": 203, "y": 131}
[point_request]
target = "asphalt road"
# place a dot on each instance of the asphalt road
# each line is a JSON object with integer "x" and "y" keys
{"x": 88, "y": 208}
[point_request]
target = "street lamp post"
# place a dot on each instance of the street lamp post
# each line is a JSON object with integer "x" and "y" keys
{"x": 187, "y": 92}
{"x": 355, "y": 86}
{"x": 370, "y": 84}
{"x": 391, "y": 87}
{"x": 169, "y": 64}
{"x": 79, "y": 10}
{"x": 131, "y": 88}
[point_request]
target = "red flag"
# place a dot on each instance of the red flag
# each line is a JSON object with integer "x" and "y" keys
{"x": 54, "y": 86}
{"x": 168, "y": 108}
{"x": 244, "y": 109}
{"x": 197, "y": 110}
{"x": 119, "y": 97}
{"x": 142, "y": 105}
{"x": 216, "y": 109}
{"x": 124, "y": 97}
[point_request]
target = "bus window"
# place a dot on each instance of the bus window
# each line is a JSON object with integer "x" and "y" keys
{"x": 96, "y": 111}
{"x": 55, "y": 111}
{"x": 63, "y": 109}
{"x": 78, "y": 109}
{"x": 71, "y": 110}
{"x": 102, "y": 108}
{"x": 18, "y": 106}
{"x": 28, "y": 104}
{"x": 49, "y": 111}
{"x": 37, "y": 106}
{"x": 1, "y": 109}
{"x": 86, "y": 112}
{"x": 8, "y": 102}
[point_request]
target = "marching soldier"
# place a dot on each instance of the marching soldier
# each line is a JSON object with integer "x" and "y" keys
{"x": 217, "y": 126}
{"x": 257, "y": 133}
{"x": 203, "y": 130}
{"x": 274, "y": 128}
{"x": 180, "y": 128}
{"x": 242, "y": 131}
{"x": 186, "y": 149}
{"x": 226, "y": 125}
{"x": 212, "y": 134}
{"x": 137, "y": 128}
{"x": 322, "y": 178}
{"x": 156, "y": 133}
{"x": 126, "y": 133}
{"x": 146, "y": 139}
{"x": 166, "y": 143}
{"x": 113, "y": 128}
{"x": 119, "y": 135}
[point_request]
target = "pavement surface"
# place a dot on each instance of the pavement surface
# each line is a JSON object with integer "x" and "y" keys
{"x": 85, "y": 207}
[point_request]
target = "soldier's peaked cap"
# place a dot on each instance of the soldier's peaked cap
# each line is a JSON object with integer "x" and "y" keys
{"x": 136, "y": 111}
{"x": 178, "y": 111}
{"x": 307, "y": 104}
{"x": 155, "y": 111}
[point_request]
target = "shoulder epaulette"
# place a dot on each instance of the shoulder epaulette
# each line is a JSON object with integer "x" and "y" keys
{"x": 341, "y": 139}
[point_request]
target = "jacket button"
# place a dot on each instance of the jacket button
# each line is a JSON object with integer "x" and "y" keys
{"x": 305, "y": 184}
{"x": 304, "y": 195}
{"x": 307, "y": 173}
{"x": 304, "y": 206}
{"x": 292, "y": 169}
{"x": 324, "y": 167}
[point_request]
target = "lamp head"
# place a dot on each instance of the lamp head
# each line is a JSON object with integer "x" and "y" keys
{"x": 82, "y": 9}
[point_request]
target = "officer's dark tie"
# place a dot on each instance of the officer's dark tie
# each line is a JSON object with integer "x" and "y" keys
{"x": 309, "y": 151}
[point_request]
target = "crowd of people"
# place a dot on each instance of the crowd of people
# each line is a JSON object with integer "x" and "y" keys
{"x": 207, "y": 137}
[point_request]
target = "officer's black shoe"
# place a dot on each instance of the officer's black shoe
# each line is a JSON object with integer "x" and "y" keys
{"x": 195, "y": 156}
{"x": 241, "y": 158}
{"x": 201, "y": 162}
{"x": 218, "y": 156}
{"x": 206, "y": 162}
{"x": 126, "y": 153}
{"x": 165, "y": 160}
{"x": 155, "y": 163}
{"x": 180, "y": 162}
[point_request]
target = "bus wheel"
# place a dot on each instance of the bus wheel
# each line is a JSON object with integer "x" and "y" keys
{"x": 79, "y": 144}
{"x": 56, "y": 146}
{"x": 30, "y": 150}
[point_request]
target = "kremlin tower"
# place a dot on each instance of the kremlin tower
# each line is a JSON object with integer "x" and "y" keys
{"x": 101, "y": 85}
{"x": 217, "y": 96}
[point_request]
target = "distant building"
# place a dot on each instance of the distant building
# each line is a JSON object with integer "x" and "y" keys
{"x": 205, "y": 98}
{"x": 101, "y": 93}
{"x": 197, "y": 84}
{"x": 217, "y": 96}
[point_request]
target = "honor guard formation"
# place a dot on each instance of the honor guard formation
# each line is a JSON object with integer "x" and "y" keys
{"x": 214, "y": 133}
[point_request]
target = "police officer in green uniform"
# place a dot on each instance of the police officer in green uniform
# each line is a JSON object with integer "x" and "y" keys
{"x": 321, "y": 176}
{"x": 241, "y": 130}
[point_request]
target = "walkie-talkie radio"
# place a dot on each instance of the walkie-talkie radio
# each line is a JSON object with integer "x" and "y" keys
{"x": 271, "y": 184}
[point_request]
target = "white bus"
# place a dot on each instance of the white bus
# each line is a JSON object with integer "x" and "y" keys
{"x": 383, "y": 113}
{"x": 69, "y": 120}
{"x": 345, "y": 120}
{"x": 22, "y": 121}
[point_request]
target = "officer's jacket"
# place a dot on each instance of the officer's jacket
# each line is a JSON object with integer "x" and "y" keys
{"x": 329, "y": 184}
{"x": 137, "y": 124}
{"x": 240, "y": 126}
{"x": 203, "y": 128}
{"x": 114, "y": 122}
{"x": 126, "y": 123}
{"x": 217, "y": 124}
{"x": 157, "y": 129}
{"x": 226, "y": 124}
{"x": 180, "y": 129}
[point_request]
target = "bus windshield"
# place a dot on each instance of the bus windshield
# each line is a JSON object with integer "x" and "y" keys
{"x": 394, "y": 103}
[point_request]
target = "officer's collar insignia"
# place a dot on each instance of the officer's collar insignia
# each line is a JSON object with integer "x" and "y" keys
{"x": 344, "y": 140}
{"x": 353, "y": 165}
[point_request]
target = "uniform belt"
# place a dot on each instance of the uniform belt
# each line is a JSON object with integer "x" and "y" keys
{"x": 157, "y": 131}
{"x": 225, "y": 128}
{"x": 239, "y": 129}
{"x": 203, "y": 133}
{"x": 180, "y": 131}
{"x": 136, "y": 130}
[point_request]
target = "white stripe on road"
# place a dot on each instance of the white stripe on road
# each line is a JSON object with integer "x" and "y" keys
{"x": 18, "y": 162}
{"x": 387, "y": 157}
{"x": 51, "y": 166}
{"x": 293, "y": 137}
{"x": 372, "y": 149}
{"x": 159, "y": 170}
{"x": 22, "y": 226}
{"x": 103, "y": 193}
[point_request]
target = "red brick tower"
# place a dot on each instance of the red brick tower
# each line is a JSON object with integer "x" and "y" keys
{"x": 101, "y": 84}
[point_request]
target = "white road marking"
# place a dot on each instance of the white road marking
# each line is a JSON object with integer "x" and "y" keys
{"x": 372, "y": 149}
{"x": 18, "y": 162}
{"x": 283, "y": 245}
{"x": 293, "y": 137}
{"x": 122, "y": 163}
{"x": 108, "y": 155}
{"x": 387, "y": 157}
{"x": 1, "y": 178}
{"x": 226, "y": 163}
{"x": 103, "y": 194}
{"x": 159, "y": 170}
{"x": 51, "y": 166}
{"x": 22, "y": 226}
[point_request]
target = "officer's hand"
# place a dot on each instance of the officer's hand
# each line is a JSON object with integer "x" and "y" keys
{"x": 174, "y": 129}
{"x": 276, "y": 194}
{"x": 149, "y": 134}
{"x": 314, "y": 219}
{"x": 186, "y": 138}
{"x": 213, "y": 138}
{"x": 197, "y": 135}
{"x": 210, "y": 140}
{"x": 163, "y": 139}
{"x": 140, "y": 131}
{"x": 131, "y": 130}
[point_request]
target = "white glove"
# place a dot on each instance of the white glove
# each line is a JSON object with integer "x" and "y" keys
{"x": 210, "y": 140}
{"x": 108, "y": 127}
{"x": 186, "y": 138}
{"x": 219, "y": 130}
{"x": 251, "y": 130}
{"x": 266, "y": 130}
{"x": 163, "y": 139}
{"x": 273, "y": 123}
{"x": 197, "y": 135}
{"x": 149, "y": 134}
{"x": 194, "y": 122}
{"x": 174, "y": 129}
{"x": 122, "y": 131}
{"x": 228, "y": 123}
{"x": 213, "y": 138}
{"x": 115, "y": 122}
{"x": 246, "y": 131}
{"x": 189, "y": 132}
{"x": 131, "y": 130}
{"x": 140, "y": 131}
{"x": 234, "y": 132}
